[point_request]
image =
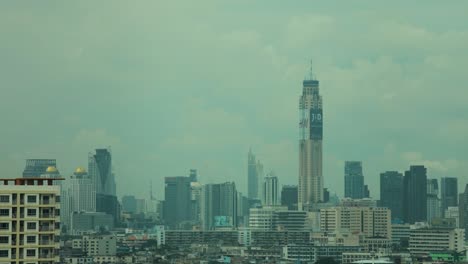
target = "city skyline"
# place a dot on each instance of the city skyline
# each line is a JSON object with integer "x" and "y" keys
{"x": 389, "y": 96}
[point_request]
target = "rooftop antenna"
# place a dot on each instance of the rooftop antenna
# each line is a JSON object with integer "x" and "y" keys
{"x": 311, "y": 73}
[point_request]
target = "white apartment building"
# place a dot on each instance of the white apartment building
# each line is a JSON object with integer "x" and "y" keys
{"x": 368, "y": 221}
{"x": 29, "y": 220}
{"x": 432, "y": 239}
{"x": 97, "y": 245}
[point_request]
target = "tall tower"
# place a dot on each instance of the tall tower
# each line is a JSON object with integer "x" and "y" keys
{"x": 270, "y": 190}
{"x": 310, "y": 189}
{"x": 252, "y": 177}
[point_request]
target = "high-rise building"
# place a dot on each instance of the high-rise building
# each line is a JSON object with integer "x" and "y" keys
{"x": 310, "y": 144}
{"x": 129, "y": 204}
{"x": 177, "y": 200}
{"x": 391, "y": 193}
{"x": 100, "y": 170}
{"x": 289, "y": 196}
{"x": 354, "y": 180}
{"x": 219, "y": 205}
{"x": 415, "y": 194}
{"x": 433, "y": 202}
{"x": 29, "y": 220}
{"x": 37, "y": 167}
{"x": 463, "y": 210}
{"x": 270, "y": 190}
{"x": 193, "y": 175}
{"x": 254, "y": 177}
{"x": 448, "y": 192}
{"x": 82, "y": 192}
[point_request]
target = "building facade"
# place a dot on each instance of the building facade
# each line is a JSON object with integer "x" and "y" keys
{"x": 289, "y": 196}
{"x": 433, "y": 201}
{"x": 391, "y": 193}
{"x": 37, "y": 167}
{"x": 29, "y": 221}
{"x": 448, "y": 192}
{"x": 354, "y": 180}
{"x": 427, "y": 240}
{"x": 270, "y": 190}
{"x": 219, "y": 205}
{"x": 415, "y": 195}
{"x": 310, "y": 188}
{"x": 177, "y": 200}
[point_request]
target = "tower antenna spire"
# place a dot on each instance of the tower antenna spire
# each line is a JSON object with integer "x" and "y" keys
{"x": 311, "y": 73}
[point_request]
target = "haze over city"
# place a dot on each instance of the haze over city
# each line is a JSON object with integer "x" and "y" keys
{"x": 171, "y": 86}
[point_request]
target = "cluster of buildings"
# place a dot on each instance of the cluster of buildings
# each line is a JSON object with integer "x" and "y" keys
{"x": 47, "y": 218}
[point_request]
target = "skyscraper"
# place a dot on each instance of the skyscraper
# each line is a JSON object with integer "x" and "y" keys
{"x": 448, "y": 193}
{"x": 177, "y": 200}
{"x": 354, "y": 180}
{"x": 219, "y": 205}
{"x": 289, "y": 196}
{"x": 254, "y": 177}
{"x": 415, "y": 195}
{"x": 37, "y": 167}
{"x": 310, "y": 144}
{"x": 391, "y": 193}
{"x": 100, "y": 171}
{"x": 463, "y": 210}
{"x": 433, "y": 202}
{"x": 270, "y": 190}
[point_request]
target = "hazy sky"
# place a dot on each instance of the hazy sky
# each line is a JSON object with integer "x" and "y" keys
{"x": 179, "y": 85}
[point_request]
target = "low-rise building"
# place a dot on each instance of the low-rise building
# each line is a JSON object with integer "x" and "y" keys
{"x": 429, "y": 240}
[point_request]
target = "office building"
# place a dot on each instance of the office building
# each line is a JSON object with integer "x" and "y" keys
{"x": 391, "y": 193}
{"x": 82, "y": 192}
{"x": 29, "y": 220}
{"x": 129, "y": 204}
{"x": 415, "y": 195}
{"x": 401, "y": 234}
{"x": 453, "y": 213}
{"x": 368, "y": 221}
{"x": 100, "y": 170}
{"x": 177, "y": 200}
{"x": 463, "y": 209}
{"x": 219, "y": 206}
{"x": 254, "y": 177}
{"x": 354, "y": 180}
{"x": 448, "y": 192}
{"x": 96, "y": 245}
{"x": 289, "y": 196}
{"x": 433, "y": 201}
{"x": 430, "y": 240}
{"x": 270, "y": 190}
{"x": 276, "y": 218}
{"x": 37, "y": 167}
{"x": 310, "y": 144}
{"x": 86, "y": 222}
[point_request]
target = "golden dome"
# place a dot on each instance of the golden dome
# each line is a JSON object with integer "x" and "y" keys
{"x": 80, "y": 170}
{"x": 51, "y": 169}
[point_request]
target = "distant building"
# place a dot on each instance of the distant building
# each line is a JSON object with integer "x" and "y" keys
{"x": 310, "y": 144}
{"x": 254, "y": 177}
{"x": 430, "y": 240}
{"x": 270, "y": 190}
{"x": 129, "y": 204}
{"x": 391, "y": 193}
{"x": 84, "y": 222}
{"x": 463, "y": 209}
{"x": 354, "y": 180}
{"x": 37, "y": 167}
{"x": 415, "y": 195}
{"x": 366, "y": 191}
{"x": 219, "y": 205}
{"x": 29, "y": 219}
{"x": 448, "y": 192}
{"x": 289, "y": 196}
{"x": 433, "y": 202}
{"x": 177, "y": 200}
{"x": 453, "y": 213}
{"x": 193, "y": 175}
{"x": 401, "y": 234}
{"x": 81, "y": 194}
{"x": 365, "y": 202}
{"x": 276, "y": 218}
{"x": 96, "y": 245}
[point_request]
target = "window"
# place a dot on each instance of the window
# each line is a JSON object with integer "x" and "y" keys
{"x": 4, "y": 226}
{"x": 4, "y": 198}
{"x": 32, "y": 199}
{"x": 31, "y": 239}
{"x": 31, "y": 226}
{"x": 4, "y": 240}
{"x": 4, "y": 254}
{"x": 31, "y": 212}
{"x": 31, "y": 252}
{"x": 4, "y": 212}
{"x": 57, "y": 199}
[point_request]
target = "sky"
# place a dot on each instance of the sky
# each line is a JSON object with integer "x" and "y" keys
{"x": 174, "y": 85}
